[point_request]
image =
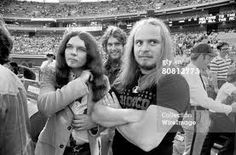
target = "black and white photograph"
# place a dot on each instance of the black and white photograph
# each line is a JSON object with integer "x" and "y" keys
{"x": 117, "y": 77}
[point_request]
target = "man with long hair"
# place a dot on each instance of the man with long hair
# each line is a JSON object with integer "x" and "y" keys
{"x": 14, "y": 119}
{"x": 144, "y": 104}
{"x": 113, "y": 43}
{"x": 68, "y": 91}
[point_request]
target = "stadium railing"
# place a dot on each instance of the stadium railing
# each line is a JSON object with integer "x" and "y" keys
{"x": 32, "y": 88}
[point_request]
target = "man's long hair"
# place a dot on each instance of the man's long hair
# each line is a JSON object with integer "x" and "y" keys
{"x": 120, "y": 35}
{"x": 113, "y": 31}
{"x": 93, "y": 63}
{"x": 129, "y": 65}
{"x": 6, "y": 44}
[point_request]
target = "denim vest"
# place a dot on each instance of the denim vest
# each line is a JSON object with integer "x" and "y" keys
{"x": 14, "y": 120}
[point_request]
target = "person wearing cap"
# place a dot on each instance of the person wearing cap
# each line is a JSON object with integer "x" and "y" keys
{"x": 221, "y": 63}
{"x": 200, "y": 103}
{"x": 221, "y": 124}
{"x": 50, "y": 61}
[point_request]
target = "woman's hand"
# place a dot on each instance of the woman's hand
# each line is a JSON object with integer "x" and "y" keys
{"x": 86, "y": 75}
{"x": 83, "y": 122}
{"x": 111, "y": 100}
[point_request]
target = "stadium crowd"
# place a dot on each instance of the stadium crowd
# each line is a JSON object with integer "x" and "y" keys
{"x": 42, "y": 44}
{"x": 51, "y": 10}
{"x": 36, "y": 44}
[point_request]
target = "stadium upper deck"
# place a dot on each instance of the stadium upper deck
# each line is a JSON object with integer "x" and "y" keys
{"x": 197, "y": 17}
{"x": 52, "y": 10}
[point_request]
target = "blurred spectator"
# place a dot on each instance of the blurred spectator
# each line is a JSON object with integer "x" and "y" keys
{"x": 14, "y": 120}
{"x": 221, "y": 63}
{"x": 14, "y": 67}
{"x": 22, "y": 71}
{"x": 50, "y": 61}
{"x": 223, "y": 124}
{"x": 27, "y": 72}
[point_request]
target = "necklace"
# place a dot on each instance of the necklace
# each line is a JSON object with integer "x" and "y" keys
{"x": 73, "y": 76}
{"x": 136, "y": 88}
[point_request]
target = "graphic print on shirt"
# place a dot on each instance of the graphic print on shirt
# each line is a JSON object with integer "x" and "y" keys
{"x": 140, "y": 100}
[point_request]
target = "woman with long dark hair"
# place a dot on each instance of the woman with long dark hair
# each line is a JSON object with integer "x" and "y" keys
{"x": 68, "y": 92}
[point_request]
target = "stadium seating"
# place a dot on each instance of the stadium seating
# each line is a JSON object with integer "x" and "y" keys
{"x": 35, "y": 45}
{"x": 34, "y": 9}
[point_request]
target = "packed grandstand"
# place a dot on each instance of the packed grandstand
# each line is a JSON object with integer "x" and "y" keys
{"x": 37, "y": 28}
{"x": 113, "y": 7}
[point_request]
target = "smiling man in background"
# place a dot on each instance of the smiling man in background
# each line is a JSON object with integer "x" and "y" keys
{"x": 113, "y": 42}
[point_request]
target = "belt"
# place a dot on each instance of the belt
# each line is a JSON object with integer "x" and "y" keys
{"x": 77, "y": 149}
{"x": 197, "y": 108}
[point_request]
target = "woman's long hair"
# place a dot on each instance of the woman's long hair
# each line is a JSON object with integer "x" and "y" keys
{"x": 130, "y": 67}
{"x": 93, "y": 63}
